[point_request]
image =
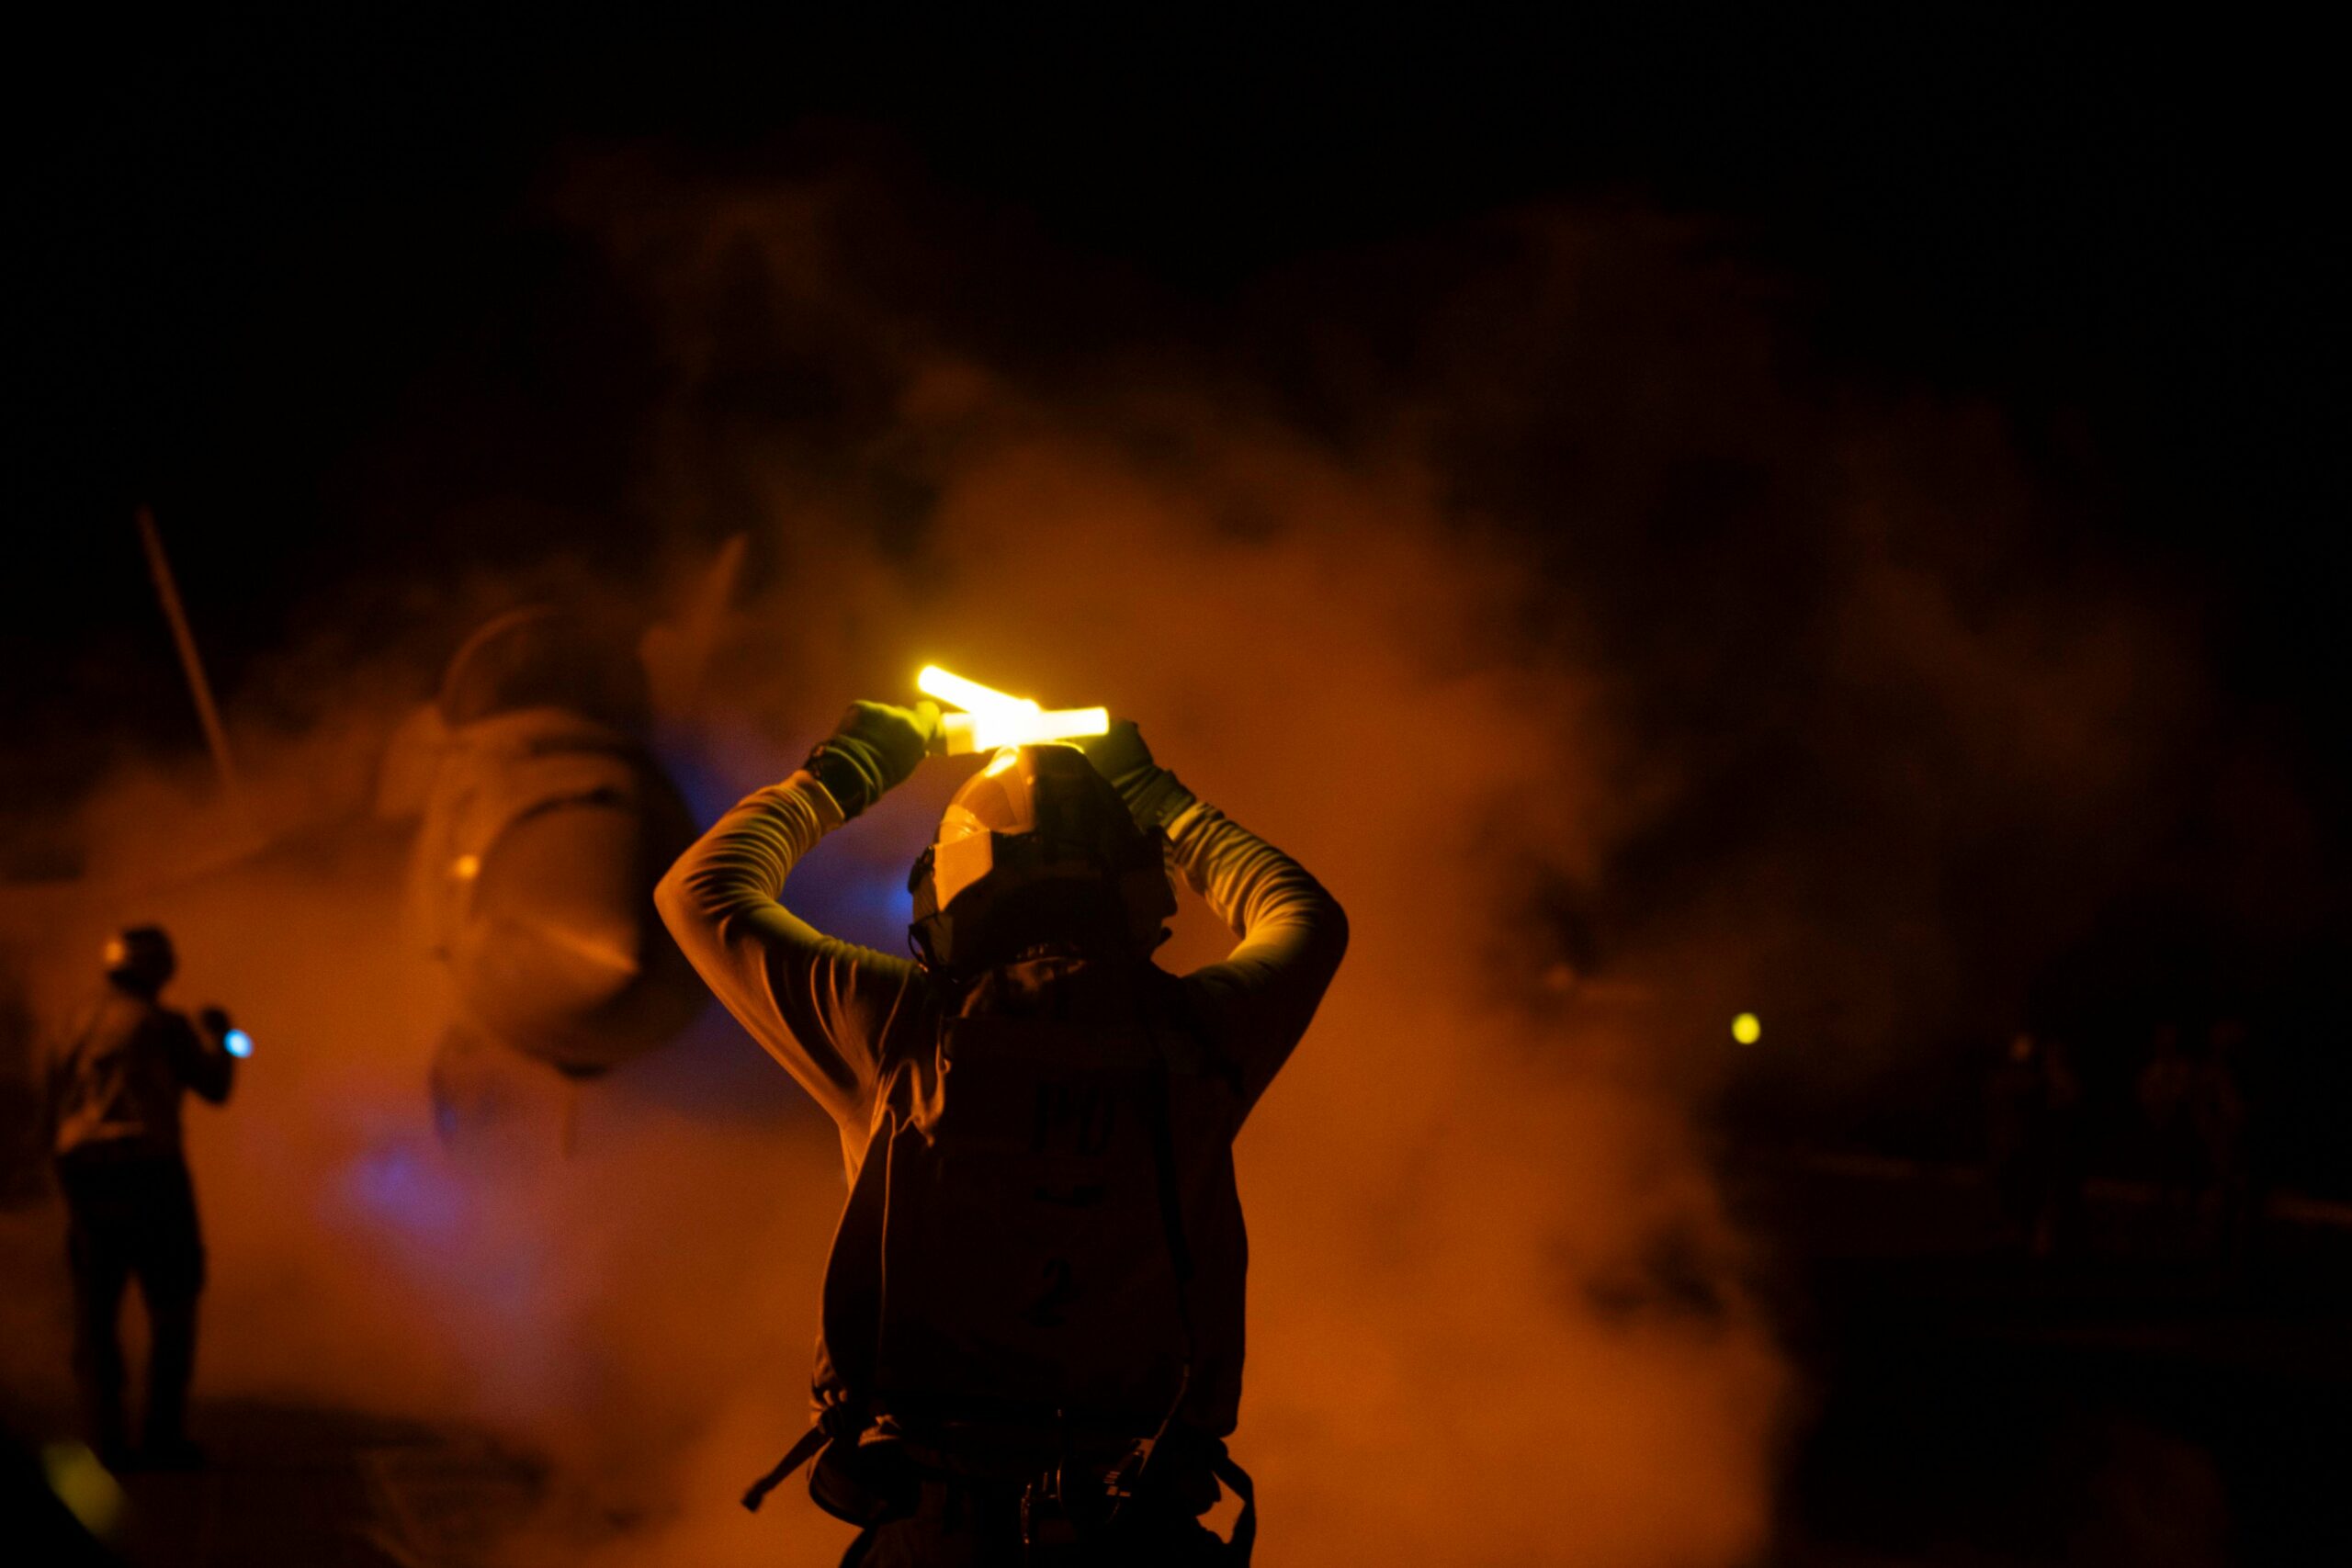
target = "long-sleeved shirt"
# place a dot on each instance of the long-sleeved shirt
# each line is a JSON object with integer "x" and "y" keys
{"x": 117, "y": 1078}
{"x": 835, "y": 1014}
{"x": 857, "y": 1027}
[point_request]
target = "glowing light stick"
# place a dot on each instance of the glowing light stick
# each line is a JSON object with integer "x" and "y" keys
{"x": 238, "y": 1043}
{"x": 987, "y": 732}
{"x": 970, "y": 695}
{"x": 1748, "y": 1028}
{"x": 994, "y": 719}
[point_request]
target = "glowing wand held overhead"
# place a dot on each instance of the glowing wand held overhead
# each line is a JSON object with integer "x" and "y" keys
{"x": 992, "y": 718}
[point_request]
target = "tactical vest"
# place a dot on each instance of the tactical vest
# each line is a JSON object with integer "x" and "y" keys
{"x": 1044, "y": 1244}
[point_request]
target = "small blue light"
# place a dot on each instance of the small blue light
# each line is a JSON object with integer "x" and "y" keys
{"x": 239, "y": 1043}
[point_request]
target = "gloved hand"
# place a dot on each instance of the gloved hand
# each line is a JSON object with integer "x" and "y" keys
{"x": 1118, "y": 751}
{"x": 1154, "y": 795}
{"x": 873, "y": 748}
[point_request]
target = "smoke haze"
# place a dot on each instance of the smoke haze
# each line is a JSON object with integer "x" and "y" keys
{"x": 1611, "y": 664}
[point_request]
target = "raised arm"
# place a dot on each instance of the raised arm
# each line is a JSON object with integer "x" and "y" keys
{"x": 1261, "y": 997}
{"x": 815, "y": 1003}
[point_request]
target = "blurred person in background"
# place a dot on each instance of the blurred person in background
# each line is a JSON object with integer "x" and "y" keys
{"x": 2062, "y": 1226}
{"x": 2176, "y": 1159}
{"x": 115, "y": 1080}
{"x": 2036, "y": 1141}
{"x": 2223, "y": 1106}
{"x": 2013, "y": 1135}
{"x": 1032, "y": 1319}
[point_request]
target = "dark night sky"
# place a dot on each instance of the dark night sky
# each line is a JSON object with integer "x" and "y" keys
{"x": 304, "y": 294}
{"x": 269, "y": 227}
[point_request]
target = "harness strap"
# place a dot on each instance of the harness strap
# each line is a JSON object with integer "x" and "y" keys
{"x": 1238, "y": 1547}
{"x": 819, "y": 1433}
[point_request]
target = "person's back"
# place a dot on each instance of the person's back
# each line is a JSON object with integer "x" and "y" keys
{"x": 1033, "y": 1312}
{"x": 118, "y": 1079}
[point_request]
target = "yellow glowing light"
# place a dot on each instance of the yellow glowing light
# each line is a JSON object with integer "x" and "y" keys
{"x": 987, "y": 732}
{"x": 464, "y": 868}
{"x": 970, "y": 695}
{"x": 1023, "y": 729}
{"x": 82, "y": 1483}
{"x": 995, "y": 719}
{"x": 1748, "y": 1028}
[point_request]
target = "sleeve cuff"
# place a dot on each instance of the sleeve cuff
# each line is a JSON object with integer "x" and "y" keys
{"x": 1154, "y": 797}
{"x": 811, "y": 788}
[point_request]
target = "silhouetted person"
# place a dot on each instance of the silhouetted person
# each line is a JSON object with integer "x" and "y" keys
{"x": 2222, "y": 1109}
{"x": 2175, "y": 1160}
{"x": 2064, "y": 1219}
{"x": 2013, "y": 1134}
{"x": 115, "y": 1083}
{"x": 2034, "y": 1108}
{"x": 1032, "y": 1314}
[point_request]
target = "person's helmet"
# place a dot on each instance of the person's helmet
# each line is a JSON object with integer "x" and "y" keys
{"x": 1037, "y": 848}
{"x": 140, "y": 958}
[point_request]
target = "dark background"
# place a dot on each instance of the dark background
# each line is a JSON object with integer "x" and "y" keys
{"x": 271, "y": 227}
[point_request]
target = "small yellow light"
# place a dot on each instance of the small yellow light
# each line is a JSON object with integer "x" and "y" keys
{"x": 464, "y": 868}
{"x": 1748, "y": 1028}
{"x": 82, "y": 1484}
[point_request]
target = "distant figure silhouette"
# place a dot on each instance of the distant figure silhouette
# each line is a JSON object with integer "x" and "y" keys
{"x": 2176, "y": 1159}
{"x": 115, "y": 1082}
{"x": 2064, "y": 1221}
{"x": 2224, "y": 1105}
{"x": 2034, "y": 1106}
{"x": 1033, "y": 1315}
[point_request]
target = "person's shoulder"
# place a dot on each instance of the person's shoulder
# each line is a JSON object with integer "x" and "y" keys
{"x": 163, "y": 1019}
{"x": 78, "y": 1025}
